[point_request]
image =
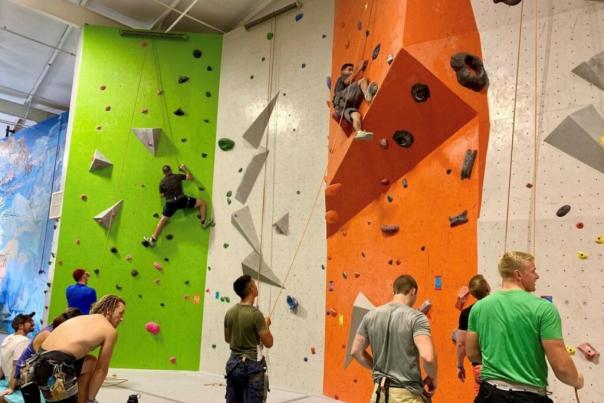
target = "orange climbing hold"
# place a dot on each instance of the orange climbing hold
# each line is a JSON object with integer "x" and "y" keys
{"x": 333, "y": 189}
{"x": 331, "y": 217}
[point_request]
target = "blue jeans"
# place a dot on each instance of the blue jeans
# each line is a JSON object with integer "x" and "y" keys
{"x": 245, "y": 380}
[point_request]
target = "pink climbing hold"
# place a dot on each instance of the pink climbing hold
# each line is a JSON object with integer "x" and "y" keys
{"x": 172, "y": 360}
{"x": 152, "y": 327}
{"x": 383, "y": 143}
{"x": 385, "y": 181}
{"x": 157, "y": 266}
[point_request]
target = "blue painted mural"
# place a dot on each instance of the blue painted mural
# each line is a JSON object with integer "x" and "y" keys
{"x": 30, "y": 170}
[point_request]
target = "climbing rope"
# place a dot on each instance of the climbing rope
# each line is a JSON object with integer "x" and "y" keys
{"x": 507, "y": 209}
{"x": 535, "y": 134}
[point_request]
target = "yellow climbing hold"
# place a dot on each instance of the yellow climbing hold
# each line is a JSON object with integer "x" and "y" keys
{"x": 341, "y": 319}
{"x": 582, "y": 255}
{"x": 600, "y": 239}
{"x": 571, "y": 350}
{"x": 602, "y": 140}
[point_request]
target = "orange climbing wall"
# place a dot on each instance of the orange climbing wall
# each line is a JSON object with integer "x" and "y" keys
{"x": 422, "y": 35}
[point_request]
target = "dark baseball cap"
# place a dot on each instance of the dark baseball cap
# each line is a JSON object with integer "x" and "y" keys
{"x": 21, "y": 319}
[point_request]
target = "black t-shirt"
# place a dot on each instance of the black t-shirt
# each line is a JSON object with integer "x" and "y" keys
{"x": 339, "y": 97}
{"x": 340, "y": 84}
{"x": 464, "y": 317}
{"x": 171, "y": 186}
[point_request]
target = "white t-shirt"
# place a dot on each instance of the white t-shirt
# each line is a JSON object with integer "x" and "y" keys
{"x": 11, "y": 349}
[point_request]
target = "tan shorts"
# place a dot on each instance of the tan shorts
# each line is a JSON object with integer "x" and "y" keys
{"x": 398, "y": 395}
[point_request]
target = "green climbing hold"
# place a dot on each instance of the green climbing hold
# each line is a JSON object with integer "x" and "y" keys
{"x": 225, "y": 245}
{"x": 229, "y": 193}
{"x": 228, "y": 201}
{"x": 226, "y": 144}
{"x": 269, "y": 36}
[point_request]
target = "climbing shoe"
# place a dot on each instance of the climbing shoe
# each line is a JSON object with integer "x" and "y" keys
{"x": 371, "y": 91}
{"x": 207, "y": 223}
{"x": 363, "y": 135}
{"x": 148, "y": 241}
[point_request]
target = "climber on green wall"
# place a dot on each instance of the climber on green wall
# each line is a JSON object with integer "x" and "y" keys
{"x": 170, "y": 188}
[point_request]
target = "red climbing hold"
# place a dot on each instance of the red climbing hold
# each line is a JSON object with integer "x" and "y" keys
{"x": 172, "y": 360}
{"x": 331, "y": 217}
{"x": 152, "y": 327}
{"x": 589, "y": 351}
{"x": 385, "y": 181}
{"x": 333, "y": 189}
{"x": 579, "y": 225}
{"x": 158, "y": 266}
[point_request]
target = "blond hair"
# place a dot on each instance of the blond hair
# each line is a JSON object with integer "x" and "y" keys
{"x": 512, "y": 261}
{"x": 479, "y": 288}
{"x": 107, "y": 305}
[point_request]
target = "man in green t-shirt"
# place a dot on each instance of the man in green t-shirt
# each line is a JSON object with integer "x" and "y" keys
{"x": 244, "y": 328}
{"x": 512, "y": 332}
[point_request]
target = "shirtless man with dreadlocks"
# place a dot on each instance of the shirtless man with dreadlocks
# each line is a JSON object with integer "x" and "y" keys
{"x": 60, "y": 358}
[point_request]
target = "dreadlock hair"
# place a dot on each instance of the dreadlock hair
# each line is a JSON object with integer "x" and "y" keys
{"x": 65, "y": 315}
{"x": 106, "y": 305}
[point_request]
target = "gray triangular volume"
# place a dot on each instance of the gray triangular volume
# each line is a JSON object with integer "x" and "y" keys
{"x": 250, "y": 175}
{"x": 361, "y": 306}
{"x": 592, "y": 71}
{"x": 282, "y": 224}
{"x": 242, "y": 220}
{"x": 255, "y": 132}
{"x": 99, "y": 161}
{"x": 579, "y": 136}
{"x": 149, "y": 136}
{"x": 250, "y": 267}
{"x": 106, "y": 217}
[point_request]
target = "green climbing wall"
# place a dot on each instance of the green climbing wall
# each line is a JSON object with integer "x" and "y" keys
{"x": 125, "y": 83}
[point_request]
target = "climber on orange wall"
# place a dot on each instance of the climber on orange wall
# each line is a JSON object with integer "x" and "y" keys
{"x": 479, "y": 288}
{"x": 398, "y": 335}
{"x": 170, "y": 188}
{"x": 348, "y": 95}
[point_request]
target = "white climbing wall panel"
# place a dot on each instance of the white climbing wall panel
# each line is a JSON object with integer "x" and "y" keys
{"x": 569, "y": 32}
{"x": 297, "y": 144}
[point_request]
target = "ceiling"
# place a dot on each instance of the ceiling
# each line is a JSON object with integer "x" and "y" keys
{"x": 39, "y": 41}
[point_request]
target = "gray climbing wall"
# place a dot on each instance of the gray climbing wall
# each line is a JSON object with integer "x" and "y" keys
{"x": 570, "y": 32}
{"x": 288, "y": 181}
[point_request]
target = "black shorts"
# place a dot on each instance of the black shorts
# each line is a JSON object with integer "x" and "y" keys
{"x": 47, "y": 368}
{"x": 347, "y": 114}
{"x": 181, "y": 203}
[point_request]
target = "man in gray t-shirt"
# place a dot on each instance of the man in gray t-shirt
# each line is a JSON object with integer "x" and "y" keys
{"x": 398, "y": 335}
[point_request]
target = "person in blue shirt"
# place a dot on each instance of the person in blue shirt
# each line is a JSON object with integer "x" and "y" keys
{"x": 80, "y": 295}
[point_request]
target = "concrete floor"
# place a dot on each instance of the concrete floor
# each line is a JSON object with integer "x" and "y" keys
{"x": 180, "y": 387}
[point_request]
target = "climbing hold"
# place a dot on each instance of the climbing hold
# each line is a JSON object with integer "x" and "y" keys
{"x": 373, "y": 88}
{"x": 324, "y": 36}
{"x": 229, "y": 193}
{"x": 179, "y": 112}
{"x": 107, "y": 108}
{"x": 529, "y": 185}
{"x": 403, "y": 138}
{"x": 172, "y": 360}
{"x": 459, "y": 219}
{"x": 113, "y": 249}
{"x": 582, "y": 255}
{"x": 106, "y": 217}
{"x": 383, "y": 143}
{"x": 438, "y": 283}
{"x": 589, "y": 351}
{"x": 155, "y": 215}
{"x": 389, "y": 229}
{"x": 303, "y": 65}
{"x": 208, "y": 94}
{"x": 144, "y": 44}
{"x": 600, "y": 239}
{"x": 204, "y": 155}
{"x": 405, "y": 183}
{"x": 390, "y": 58}
{"x": 328, "y": 82}
{"x": 197, "y": 53}
{"x": 331, "y": 216}
{"x": 420, "y": 92}
{"x": 341, "y": 319}
{"x": 360, "y": 307}
{"x": 470, "y": 71}
{"x": 313, "y": 350}
{"x": 145, "y": 110}
{"x": 571, "y": 350}
{"x": 182, "y": 79}
{"x": 134, "y": 272}
{"x": 508, "y": 2}
{"x": 128, "y": 258}
{"x": 425, "y": 307}
{"x": 96, "y": 271}
{"x": 226, "y": 144}
{"x": 468, "y": 164}
{"x": 385, "y": 181}
{"x": 579, "y": 225}
{"x": 169, "y": 237}
{"x": 118, "y": 287}
{"x": 292, "y": 304}
{"x": 449, "y": 171}
{"x": 103, "y": 87}
{"x": 331, "y": 286}
{"x": 333, "y": 189}
{"x": 305, "y": 359}
{"x": 149, "y": 137}
{"x": 83, "y": 197}
{"x": 359, "y": 25}
{"x": 331, "y": 312}
{"x": 367, "y": 33}
{"x": 269, "y": 35}
{"x": 389, "y": 198}
{"x": 157, "y": 266}
{"x": 77, "y": 241}
{"x": 562, "y": 211}
{"x": 462, "y": 296}
{"x": 99, "y": 128}
{"x": 152, "y": 327}
{"x": 255, "y": 131}
{"x": 376, "y": 52}
{"x": 282, "y": 224}
{"x": 548, "y": 298}
{"x": 99, "y": 161}
{"x": 299, "y": 17}
{"x": 160, "y": 92}
{"x": 344, "y": 275}
{"x": 156, "y": 281}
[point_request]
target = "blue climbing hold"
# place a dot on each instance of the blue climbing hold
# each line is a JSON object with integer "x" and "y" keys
{"x": 299, "y": 17}
{"x": 328, "y": 82}
{"x": 292, "y": 303}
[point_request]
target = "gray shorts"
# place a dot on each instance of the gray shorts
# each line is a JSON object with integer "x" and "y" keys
{"x": 352, "y": 96}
